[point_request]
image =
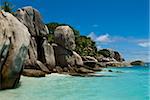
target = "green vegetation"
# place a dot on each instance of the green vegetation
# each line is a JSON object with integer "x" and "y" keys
{"x": 104, "y": 52}
{"x": 84, "y": 45}
{"x": 7, "y": 6}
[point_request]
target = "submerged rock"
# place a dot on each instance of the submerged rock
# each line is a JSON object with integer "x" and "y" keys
{"x": 14, "y": 42}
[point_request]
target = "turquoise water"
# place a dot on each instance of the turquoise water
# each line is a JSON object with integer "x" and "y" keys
{"x": 132, "y": 84}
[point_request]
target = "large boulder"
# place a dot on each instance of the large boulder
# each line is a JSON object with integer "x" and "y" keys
{"x": 32, "y": 53}
{"x": 64, "y": 36}
{"x": 48, "y": 55}
{"x": 65, "y": 44}
{"x": 78, "y": 59}
{"x": 63, "y": 49}
{"x": 63, "y": 57}
{"x": 14, "y": 41}
{"x": 83, "y": 70}
{"x": 40, "y": 53}
{"x": 31, "y": 18}
{"x": 89, "y": 58}
{"x": 33, "y": 73}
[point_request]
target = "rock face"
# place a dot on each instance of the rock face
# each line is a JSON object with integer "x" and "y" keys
{"x": 14, "y": 41}
{"x": 40, "y": 53}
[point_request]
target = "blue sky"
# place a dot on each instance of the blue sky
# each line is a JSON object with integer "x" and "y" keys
{"x": 119, "y": 24}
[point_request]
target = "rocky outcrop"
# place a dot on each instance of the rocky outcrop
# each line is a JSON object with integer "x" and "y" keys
{"x": 109, "y": 55}
{"x": 58, "y": 57}
{"x": 40, "y": 53}
{"x": 117, "y": 64}
{"x": 137, "y": 62}
{"x": 14, "y": 41}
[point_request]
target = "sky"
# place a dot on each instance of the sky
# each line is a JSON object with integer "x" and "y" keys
{"x": 122, "y": 25}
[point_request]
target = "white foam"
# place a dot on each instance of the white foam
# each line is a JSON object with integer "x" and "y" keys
{"x": 56, "y": 74}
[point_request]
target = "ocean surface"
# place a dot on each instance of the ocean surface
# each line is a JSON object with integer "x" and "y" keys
{"x": 132, "y": 84}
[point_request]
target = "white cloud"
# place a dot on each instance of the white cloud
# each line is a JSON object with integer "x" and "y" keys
{"x": 106, "y": 38}
{"x": 144, "y": 44}
{"x": 101, "y": 38}
{"x": 92, "y": 36}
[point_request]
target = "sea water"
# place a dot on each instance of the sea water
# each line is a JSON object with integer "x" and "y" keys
{"x": 132, "y": 83}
